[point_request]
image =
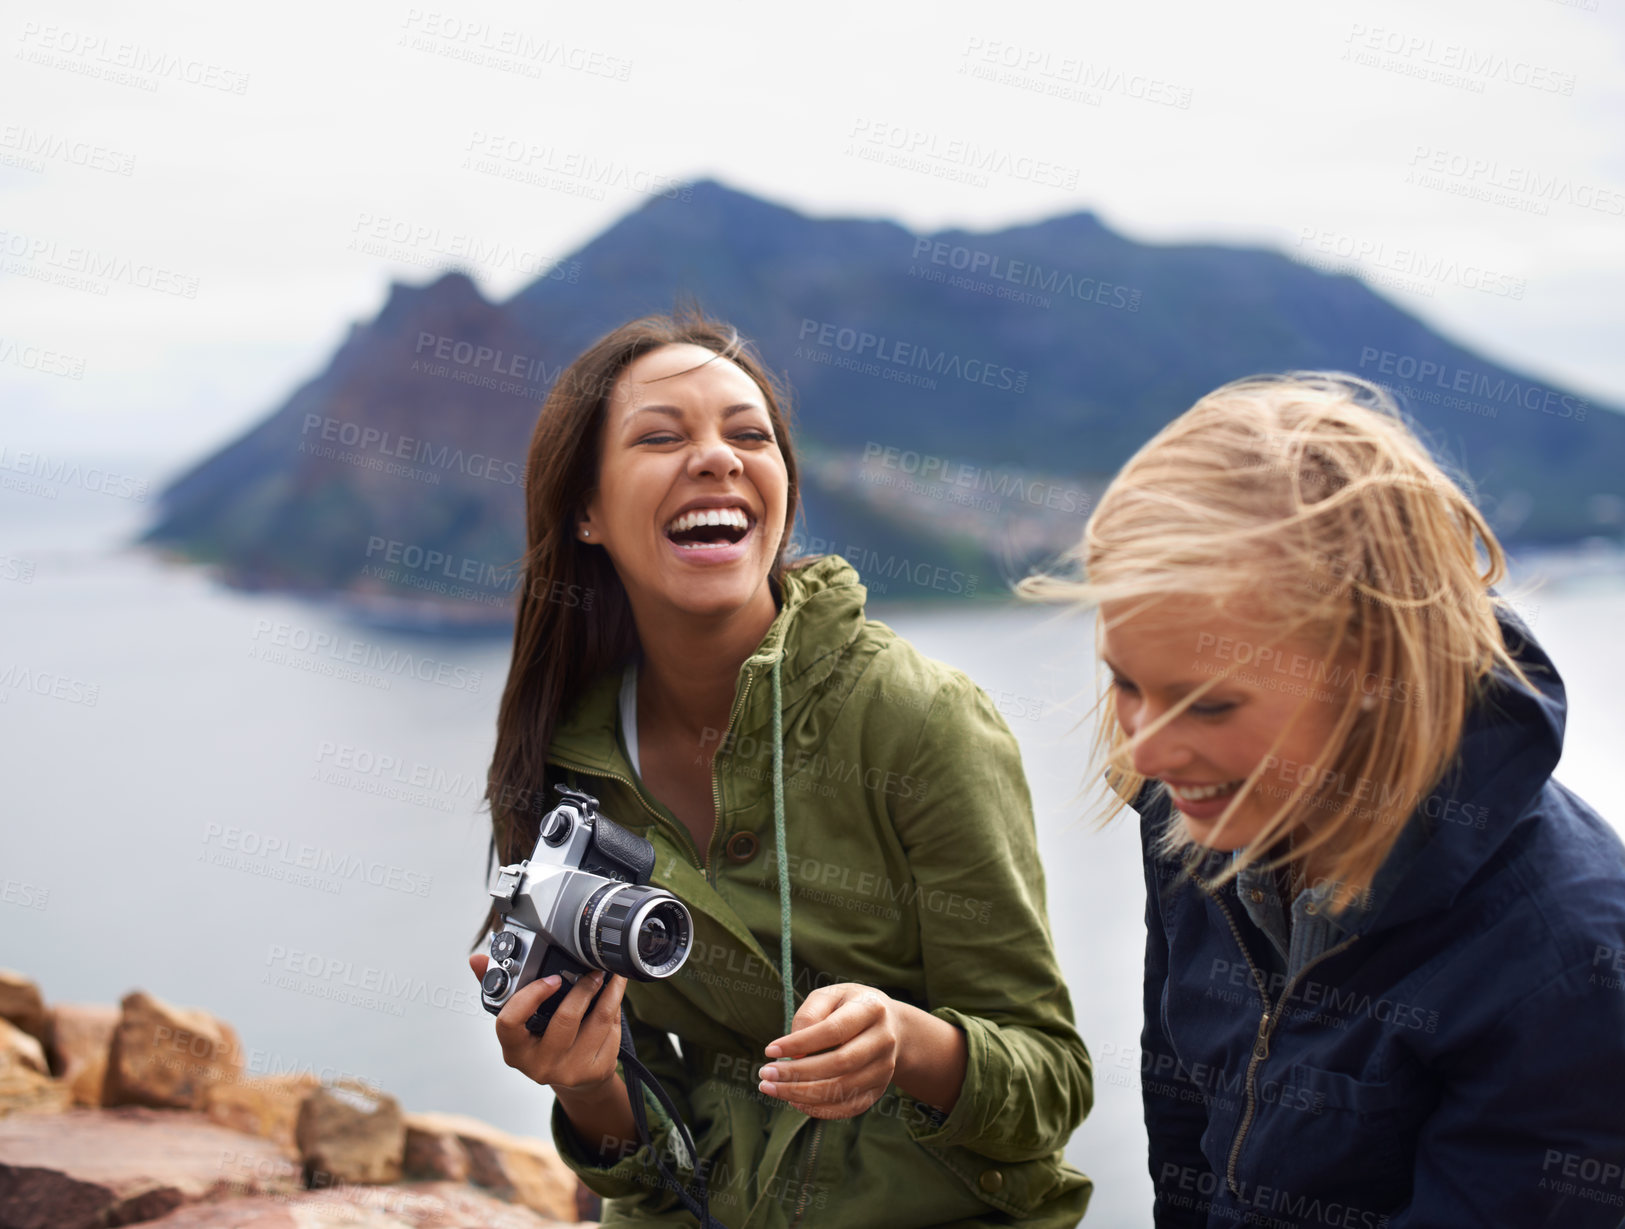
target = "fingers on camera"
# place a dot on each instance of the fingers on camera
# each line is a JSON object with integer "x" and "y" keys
{"x": 580, "y": 998}
{"x": 574, "y": 1005}
{"x": 520, "y": 1007}
{"x": 608, "y": 1008}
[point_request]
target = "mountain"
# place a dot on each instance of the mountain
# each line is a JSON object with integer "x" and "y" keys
{"x": 1032, "y": 359}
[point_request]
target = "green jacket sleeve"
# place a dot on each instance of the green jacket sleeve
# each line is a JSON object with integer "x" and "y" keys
{"x": 989, "y": 962}
{"x": 635, "y": 1172}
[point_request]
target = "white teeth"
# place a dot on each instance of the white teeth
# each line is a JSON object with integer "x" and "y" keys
{"x": 709, "y": 516}
{"x": 1197, "y": 793}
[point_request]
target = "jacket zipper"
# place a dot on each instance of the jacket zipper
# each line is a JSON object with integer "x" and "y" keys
{"x": 716, "y": 790}
{"x": 1267, "y": 1025}
{"x": 716, "y": 782}
{"x": 660, "y": 819}
{"x": 806, "y": 1183}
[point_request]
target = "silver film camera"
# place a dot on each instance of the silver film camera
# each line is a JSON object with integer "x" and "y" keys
{"x": 582, "y": 901}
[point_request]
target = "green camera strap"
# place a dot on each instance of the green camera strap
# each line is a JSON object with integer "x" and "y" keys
{"x": 783, "y": 858}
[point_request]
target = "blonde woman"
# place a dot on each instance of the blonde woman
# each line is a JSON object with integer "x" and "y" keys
{"x": 1385, "y": 958}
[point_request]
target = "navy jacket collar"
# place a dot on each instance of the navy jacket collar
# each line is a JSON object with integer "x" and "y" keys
{"x": 1510, "y": 744}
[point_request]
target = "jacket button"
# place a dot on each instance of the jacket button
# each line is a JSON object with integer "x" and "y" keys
{"x": 741, "y": 847}
{"x": 991, "y": 1181}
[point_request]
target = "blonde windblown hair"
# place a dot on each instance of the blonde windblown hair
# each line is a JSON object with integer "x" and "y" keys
{"x": 1304, "y": 506}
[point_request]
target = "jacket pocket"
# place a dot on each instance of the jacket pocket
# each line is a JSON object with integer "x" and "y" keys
{"x": 1353, "y": 1139}
{"x": 714, "y": 1128}
{"x": 1016, "y": 1188}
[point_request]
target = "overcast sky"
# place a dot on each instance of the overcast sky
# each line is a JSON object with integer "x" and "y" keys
{"x": 218, "y": 165}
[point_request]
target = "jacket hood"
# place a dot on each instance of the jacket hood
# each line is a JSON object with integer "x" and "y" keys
{"x": 1511, "y": 741}
{"x": 823, "y": 597}
{"x": 826, "y": 599}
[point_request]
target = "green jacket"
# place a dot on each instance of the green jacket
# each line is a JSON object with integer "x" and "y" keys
{"x": 913, "y": 868}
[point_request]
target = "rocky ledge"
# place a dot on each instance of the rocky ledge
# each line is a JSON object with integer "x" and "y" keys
{"x": 142, "y": 1114}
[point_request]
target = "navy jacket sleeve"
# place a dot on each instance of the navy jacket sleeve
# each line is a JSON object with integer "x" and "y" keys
{"x": 1535, "y": 1134}
{"x": 1175, "y": 1116}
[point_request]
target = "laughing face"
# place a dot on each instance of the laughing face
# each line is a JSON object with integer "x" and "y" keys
{"x": 1159, "y": 656}
{"x": 692, "y": 491}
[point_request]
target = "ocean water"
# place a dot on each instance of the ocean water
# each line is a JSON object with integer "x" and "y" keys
{"x": 245, "y": 803}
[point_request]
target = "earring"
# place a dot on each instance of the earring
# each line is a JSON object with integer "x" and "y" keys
{"x": 585, "y": 532}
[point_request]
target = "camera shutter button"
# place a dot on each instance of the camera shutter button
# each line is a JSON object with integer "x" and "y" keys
{"x": 742, "y": 847}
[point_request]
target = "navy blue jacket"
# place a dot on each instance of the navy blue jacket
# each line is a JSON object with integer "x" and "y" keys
{"x": 1457, "y": 1062}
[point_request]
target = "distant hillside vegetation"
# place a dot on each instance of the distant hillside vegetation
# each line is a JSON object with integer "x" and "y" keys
{"x": 961, "y": 399}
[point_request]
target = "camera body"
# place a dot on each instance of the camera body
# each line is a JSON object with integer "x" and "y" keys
{"x": 581, "y": 902}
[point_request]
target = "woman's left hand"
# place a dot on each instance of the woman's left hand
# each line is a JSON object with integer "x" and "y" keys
{"x": 841, "y": 1054}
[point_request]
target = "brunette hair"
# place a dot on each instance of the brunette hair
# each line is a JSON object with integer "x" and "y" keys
{"x": 1307, "y": 503}
{"x": 574, "y": 620}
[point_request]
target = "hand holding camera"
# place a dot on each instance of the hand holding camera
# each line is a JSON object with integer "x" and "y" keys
{"x": 579, "y": 918}
{"x": 576, "y": 1053}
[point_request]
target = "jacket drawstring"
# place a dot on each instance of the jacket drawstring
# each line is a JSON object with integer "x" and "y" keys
{"x": 784, "y": 858}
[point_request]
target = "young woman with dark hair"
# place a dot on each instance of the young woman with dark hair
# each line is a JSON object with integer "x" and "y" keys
{"x": 801, "y": 771}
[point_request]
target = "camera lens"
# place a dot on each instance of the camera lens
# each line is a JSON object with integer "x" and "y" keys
{"x": 656, "y": 942}
{"x": 662, "y": 931}
{"x": 494, "y": 983}
{"x": 639, "y": 932}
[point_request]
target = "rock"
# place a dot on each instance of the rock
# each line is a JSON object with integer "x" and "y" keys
{"x": 20, "y": 1003}
{"x": 167, "y": 1057}
{"x": 25, "y": 1093}
{"x": 26, "y": 1086}
{"x": 22, "y": 1049}
{"x": 528, "y": 1171}
{"x": 429, "y": 1205}
{"x": 267, "y": 1107}
{"x": 79, "y": 1037}
{"x": 347, "y": 1132}
{"x": 273, "y": 1214}
{"x": 86, "y": 1168}
{"x": 433, "y": 1149}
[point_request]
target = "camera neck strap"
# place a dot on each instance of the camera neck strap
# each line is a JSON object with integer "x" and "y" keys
{"x": 638, "y": 1077}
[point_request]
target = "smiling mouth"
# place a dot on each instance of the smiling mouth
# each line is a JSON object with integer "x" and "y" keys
{"x": 1201, "y": 793}
{"x": 709, "y": 528}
